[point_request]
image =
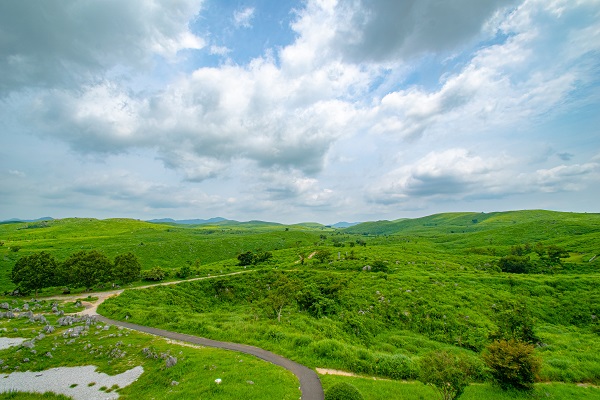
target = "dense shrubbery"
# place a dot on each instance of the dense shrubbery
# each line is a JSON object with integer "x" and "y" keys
{"x": 154, "y": 274}
{"x": 512, "y": 364}
{"x": 448, "y": 373}
{"x": 343, "y": 391}
{"x": 251, "y": 258}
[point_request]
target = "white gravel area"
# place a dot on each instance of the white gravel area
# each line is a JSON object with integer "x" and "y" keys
{"x": 59, "y": 380}
{"x": 6, "y": 342}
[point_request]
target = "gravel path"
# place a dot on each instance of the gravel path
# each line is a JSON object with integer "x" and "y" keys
{"x": 59, "y": 380}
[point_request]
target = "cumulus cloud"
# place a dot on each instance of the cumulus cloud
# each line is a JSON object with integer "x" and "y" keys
{"x": 457, "y": 174}
{"x": 65, "y": 43}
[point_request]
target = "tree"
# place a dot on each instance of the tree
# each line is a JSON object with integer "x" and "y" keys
{"x": 515, "y": 264}
{"x": 514, "y": 321}
{"x": 449, "y": 374}
{"x": 246, "y": 258}
{"x": 127, "y": 268}
{"x": 323, "y": 255}
{"x": 87, "y": 268}
{"x": 512, "y": 364}
{"x": 279, "y": 295}
{"x": 34, "y": 272}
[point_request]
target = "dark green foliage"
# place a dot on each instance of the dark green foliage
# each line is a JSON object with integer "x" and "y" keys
{"x": 184, "y": 272}
{"x": 34, "y": 272}
{"x": 246, "y": 258}
{"x": 512, "y": 364}
{"x": 379, "y": 266}
{"x": 448, "y": 373}
{"x": 250, "y": 258}
{"x": 514, "y": 321}
{"x": 323, "y": 255}
{"x": 343, "y": 391}
{"x": 127, "y": 268}
{"x": 87, "y": 268}
{"x": 312, "y": 299}
{"x": 154, "y": 274}
{"x": 515, "y": 264}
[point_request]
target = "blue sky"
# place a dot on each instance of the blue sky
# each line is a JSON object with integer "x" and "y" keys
{"x": 294, "y": 111}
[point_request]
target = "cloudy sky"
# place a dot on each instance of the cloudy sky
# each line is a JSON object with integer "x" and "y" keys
{"x": 291, "y": 111}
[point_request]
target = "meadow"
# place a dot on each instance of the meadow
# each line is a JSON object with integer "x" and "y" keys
{"x": 371, "y": 299}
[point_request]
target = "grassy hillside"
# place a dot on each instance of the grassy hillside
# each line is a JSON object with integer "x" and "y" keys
{"x": 319, "y": 301}
{"x": 164, "y": 245}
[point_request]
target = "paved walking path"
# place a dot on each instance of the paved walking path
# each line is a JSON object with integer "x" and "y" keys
{"x": 310, "y": 385}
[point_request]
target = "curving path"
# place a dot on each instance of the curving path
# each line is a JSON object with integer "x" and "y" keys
{"x": 310, "y": 385}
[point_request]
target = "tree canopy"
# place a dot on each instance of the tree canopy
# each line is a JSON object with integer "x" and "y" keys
{"x": 34, "y": 272}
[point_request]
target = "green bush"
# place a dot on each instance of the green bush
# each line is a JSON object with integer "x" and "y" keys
{"x": 448, "y": 373}
{"x": 154, "y": 274}
{"x": 343, "y": 391}
{"x": 512, "y": 364}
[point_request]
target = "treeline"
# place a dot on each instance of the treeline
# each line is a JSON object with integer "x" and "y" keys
{"x": 82, "y": 269}
{"x": 524, "y": 259}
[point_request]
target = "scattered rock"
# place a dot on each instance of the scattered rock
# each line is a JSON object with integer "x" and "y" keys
{"x": 171, "y": 361}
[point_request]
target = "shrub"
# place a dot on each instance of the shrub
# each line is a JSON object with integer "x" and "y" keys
{"x": 448, "y": 373}
{"x": 512, "y": 364}
{"x": 379, "y": 266}
{"x": 343, "y": 391}
{"x": 154, "y": 274}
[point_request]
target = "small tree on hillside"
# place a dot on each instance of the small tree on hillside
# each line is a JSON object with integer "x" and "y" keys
{"x": 449, "y": 374}
{"x": 323, "y": 255}
{"x": 88, "y": 268}
{"x": 512, "y": 364}
{"x": 127, "y": 268}
{"x": 34, "y": 272}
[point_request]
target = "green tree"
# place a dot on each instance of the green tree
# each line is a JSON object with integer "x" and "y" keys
{"x": 127, "y": 268}
{"x": 515, "y": 264}
{"x": 87, "y": 268}
{"x": 279, "y": 295}
{"x": 34, "y": 272}
{"x": 246, "y": 258}
{"x": 514, "y": 321}
{"x": 449, "y": 374}
{"x": 323, "y": 255}
{"x": 512, "y": 364}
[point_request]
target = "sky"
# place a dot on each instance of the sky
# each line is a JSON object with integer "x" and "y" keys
{"x": 298, "y": 111}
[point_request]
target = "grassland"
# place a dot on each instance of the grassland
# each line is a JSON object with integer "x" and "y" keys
{"x": 115, "y": 350}
{"x": 443, "y": 290}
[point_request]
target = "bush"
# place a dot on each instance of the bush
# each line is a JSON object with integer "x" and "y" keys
{"x": 512, "y": 364}
{"x": 154, "y": 274}
{"x": 448, "y": 373}
{"x": 343, "y": 391}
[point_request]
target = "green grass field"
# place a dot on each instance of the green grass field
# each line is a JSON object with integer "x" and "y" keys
{"x": 443, "y": 290}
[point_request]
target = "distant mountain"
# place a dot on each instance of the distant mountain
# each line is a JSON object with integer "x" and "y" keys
{"x": 344, "y": 224}
{"x": 188, "y": 221}
{"x": 16, "y": 220}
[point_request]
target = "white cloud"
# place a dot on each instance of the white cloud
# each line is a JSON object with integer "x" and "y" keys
{"x": 243, "y": 17}
{"x": 456, "y": 174}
